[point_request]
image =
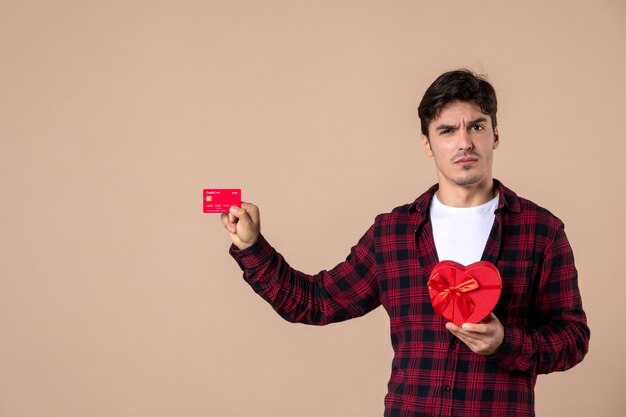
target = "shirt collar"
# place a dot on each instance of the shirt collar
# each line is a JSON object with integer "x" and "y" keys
{"x": 507, "y": 199}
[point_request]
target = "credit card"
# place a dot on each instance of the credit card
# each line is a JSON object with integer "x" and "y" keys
{"x": 219, "y": 200}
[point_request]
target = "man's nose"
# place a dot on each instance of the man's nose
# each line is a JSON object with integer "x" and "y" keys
{"x": 465, "y": 140}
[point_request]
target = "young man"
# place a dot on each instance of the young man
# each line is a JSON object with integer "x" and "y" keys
{"x": 440, "y": 369}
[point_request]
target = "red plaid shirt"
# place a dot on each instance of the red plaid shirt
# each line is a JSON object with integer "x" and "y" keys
{"x": 433, "y": 373}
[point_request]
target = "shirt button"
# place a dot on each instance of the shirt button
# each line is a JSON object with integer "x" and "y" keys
{"x": 447, "y": 388}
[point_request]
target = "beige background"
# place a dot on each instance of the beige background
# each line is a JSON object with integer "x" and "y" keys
{"x": 117, "y": 295}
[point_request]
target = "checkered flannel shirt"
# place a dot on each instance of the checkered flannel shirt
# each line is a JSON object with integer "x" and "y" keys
{"x": 433, "y": 373}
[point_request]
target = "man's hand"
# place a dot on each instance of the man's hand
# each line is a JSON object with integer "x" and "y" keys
{"x": 483, "y": 338}
{"x": 244, "y": 224}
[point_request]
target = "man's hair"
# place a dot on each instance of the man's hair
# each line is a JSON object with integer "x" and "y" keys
{"x": 459, "y": 85}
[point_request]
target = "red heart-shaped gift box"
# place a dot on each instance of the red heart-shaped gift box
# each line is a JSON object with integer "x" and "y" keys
{"x": 464, "y": 294}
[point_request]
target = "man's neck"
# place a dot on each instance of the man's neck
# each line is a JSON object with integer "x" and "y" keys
{"x": 455, "y": 195}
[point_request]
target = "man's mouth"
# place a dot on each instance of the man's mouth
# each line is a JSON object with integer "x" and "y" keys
{"x": 465, "y": 160}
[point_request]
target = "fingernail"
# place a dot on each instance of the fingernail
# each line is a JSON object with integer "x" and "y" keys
{"x": 233, "y": 209}
{"x": 465, "y": 326}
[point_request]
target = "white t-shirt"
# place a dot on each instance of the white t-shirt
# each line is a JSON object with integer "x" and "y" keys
{"x": 461, "y": 233}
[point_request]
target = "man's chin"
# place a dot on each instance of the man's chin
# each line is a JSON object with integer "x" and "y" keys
{"x": 469, "y": 180}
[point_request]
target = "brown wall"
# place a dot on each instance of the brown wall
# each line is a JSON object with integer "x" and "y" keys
{"x": 117, "y": 295}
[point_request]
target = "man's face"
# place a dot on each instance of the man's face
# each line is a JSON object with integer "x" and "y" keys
{"x": 462, "y": 141}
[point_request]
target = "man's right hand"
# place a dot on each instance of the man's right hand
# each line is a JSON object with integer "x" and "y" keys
{"x": 244, "y": 224}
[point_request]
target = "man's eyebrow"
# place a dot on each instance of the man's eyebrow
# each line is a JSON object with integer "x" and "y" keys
{"x": 452, "y": 127}
{"x": 478, "y": 120}
{"x": 446, "y": 127}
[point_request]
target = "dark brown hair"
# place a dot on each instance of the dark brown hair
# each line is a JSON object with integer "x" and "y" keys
{"x": 459, "y": 85}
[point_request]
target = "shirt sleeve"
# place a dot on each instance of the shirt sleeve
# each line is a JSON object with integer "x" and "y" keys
{"x": 558, "y": 336}
{"x": 348, "y": 290}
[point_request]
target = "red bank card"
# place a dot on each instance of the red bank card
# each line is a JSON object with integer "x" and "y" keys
{"x": 219, "y": 200}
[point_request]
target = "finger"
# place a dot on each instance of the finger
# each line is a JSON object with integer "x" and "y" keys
{"x": 248, "y": 206}
{"x": 491, "y": 318}
{"x": 452, "y": 327}
{"x": 474, "y": 341}
{"x": 466, "y": 328}
{"x": 252, "y": 210}
{"x": 468, "y": 341}
{"x": 228, "y": 223}
{"x": 486, "y": 325}
{"x": 475, "y": 328}
{"x": 457, "y": 331}
{"x": 241, "y": 220}
{"x": 239, "y": 213}
{"x": 467, "y": 337}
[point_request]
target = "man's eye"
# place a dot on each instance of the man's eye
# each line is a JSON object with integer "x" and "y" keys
{"x": 477, "y": 128}
{"x": 445, "y": 131}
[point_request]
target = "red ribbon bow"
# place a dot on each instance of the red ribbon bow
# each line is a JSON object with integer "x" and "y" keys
{"x": 448, "y": 292}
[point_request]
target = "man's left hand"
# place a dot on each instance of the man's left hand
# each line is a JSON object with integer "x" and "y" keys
{"x": 483, "y": 338}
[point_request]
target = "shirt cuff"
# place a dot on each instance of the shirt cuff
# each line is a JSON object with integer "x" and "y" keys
{"x": 253, "y": 257}
{"x": 511, "y": 347}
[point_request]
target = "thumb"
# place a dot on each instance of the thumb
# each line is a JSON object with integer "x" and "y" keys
{"x": 490, "y": 317}
{"x": 241, "y": 215}
{"x": 248, "y": 225}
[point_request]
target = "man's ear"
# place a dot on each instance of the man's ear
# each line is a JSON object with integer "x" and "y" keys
{"x": 496, "y": 137}
{"x": 426, "y": 145}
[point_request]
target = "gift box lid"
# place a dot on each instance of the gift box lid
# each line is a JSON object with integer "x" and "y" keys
{"x": 464, "y": 294}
